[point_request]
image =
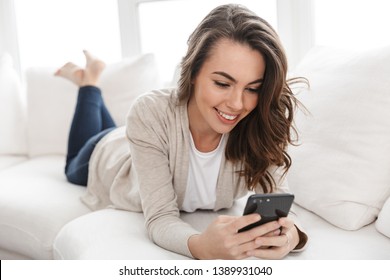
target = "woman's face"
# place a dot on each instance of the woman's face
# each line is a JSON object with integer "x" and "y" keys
{"x": 225, "y": 89}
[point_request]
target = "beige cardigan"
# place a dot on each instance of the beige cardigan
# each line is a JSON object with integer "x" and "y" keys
{"x": 147, "y": 170}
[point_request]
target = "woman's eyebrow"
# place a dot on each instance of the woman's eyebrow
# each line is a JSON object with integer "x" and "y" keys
{"x": 227, "y": 76}
{"x": 258, "y": 81}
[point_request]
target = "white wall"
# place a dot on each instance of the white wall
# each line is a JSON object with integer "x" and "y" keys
{"x": 8, "y": 31}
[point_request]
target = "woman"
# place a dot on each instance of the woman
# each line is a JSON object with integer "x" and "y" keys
{"x": 221, "y": 133}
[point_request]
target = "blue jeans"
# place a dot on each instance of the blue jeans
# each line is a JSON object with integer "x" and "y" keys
{"x": 91, "y": 121}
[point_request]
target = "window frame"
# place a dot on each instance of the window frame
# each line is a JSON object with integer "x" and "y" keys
{"x": 295, "y": 19}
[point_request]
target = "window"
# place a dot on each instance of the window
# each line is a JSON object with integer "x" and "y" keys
{"x": 358, "y": 24}
{"x": 53, "y": 32}
{"x": 166, "y": 25}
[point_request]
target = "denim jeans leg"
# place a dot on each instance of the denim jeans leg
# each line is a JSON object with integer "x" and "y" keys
{"x": 77, "y": 168}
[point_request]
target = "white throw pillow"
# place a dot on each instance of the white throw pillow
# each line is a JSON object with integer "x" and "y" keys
{"x": 51, "y": 100}
{"x": 12, "y": 110}
{"x": 383, "y": 222}
{"x": 341, "y": 169}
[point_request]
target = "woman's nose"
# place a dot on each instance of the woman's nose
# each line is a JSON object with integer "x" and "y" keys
{"x": 235, "y": 101}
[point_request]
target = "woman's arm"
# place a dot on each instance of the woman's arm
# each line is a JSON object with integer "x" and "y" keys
{"x": 147, "y": 131}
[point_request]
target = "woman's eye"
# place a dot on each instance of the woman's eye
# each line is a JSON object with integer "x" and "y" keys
{"x": 253, "y": 90}
{"x": 221, "y": 85}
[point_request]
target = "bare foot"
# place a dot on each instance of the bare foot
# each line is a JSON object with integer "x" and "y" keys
{"x": 94, "y": 67}
{"x": 89, "y": 76}
{"x": 71, "y": 72}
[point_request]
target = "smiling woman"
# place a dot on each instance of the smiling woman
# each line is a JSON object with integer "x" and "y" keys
{"x": 221, "y": 133}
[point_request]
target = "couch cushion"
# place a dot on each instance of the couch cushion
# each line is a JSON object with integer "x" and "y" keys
{"x": 383, "y": 222}
{"x": 116, "y": 234}
{"x": 8, "y": 161}
{"x": 51, "y": 100}
{"x": 13, "y": 112}
{"x": 108, "y": 234}
{"x": 341, "y": 169}
{"x": 327, "y": 242}
{"x": 35, "y": 203}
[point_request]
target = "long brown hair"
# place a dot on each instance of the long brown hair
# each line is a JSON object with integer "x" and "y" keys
{"x": 260, "y": 139}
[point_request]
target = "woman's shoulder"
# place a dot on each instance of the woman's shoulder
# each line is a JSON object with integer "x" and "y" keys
{"x": 158, "y": 99}
{"x": 156, "y": 107}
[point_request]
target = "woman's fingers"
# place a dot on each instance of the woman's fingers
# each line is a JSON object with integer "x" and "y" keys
{"x": 276, "y": 246}
{"x": 286, "y": 224}
{"x": 272, "y": 240}
{"x": 279, "y": 241}
{"x": 266, "y": 229}
{"x": 243, "y": 221}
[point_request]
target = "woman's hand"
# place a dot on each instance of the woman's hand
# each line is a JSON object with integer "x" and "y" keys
{"x": 276, "y": 246}
{"x": 221, "y": 239}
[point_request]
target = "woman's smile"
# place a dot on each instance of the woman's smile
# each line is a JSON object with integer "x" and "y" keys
{"x": 230, "y": 118}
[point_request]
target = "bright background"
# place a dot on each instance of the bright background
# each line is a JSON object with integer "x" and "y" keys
{"x": 49, "y": 33}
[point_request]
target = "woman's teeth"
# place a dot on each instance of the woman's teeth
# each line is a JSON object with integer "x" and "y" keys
{"x": 226, "y": 116}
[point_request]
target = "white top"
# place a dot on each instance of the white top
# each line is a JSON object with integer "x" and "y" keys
{"x": 202, "y": 177}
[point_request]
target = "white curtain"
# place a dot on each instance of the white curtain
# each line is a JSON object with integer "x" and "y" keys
{"x": 8, "y": 32}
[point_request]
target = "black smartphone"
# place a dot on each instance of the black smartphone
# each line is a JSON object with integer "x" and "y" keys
{"x": 271, "y": 207}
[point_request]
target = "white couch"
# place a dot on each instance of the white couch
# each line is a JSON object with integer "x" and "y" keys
{"x": 340, "y": 176}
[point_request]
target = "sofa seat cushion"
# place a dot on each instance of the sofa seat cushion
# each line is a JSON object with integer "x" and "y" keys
{"x": 116, "y": 234}
{"x": 383, "y": 222}
{"x": 327, "y": 242}
{"x": 8, "y": 161}
{"x": 121, "y": 235}
{"x": 36, "y": 201}
{"x": 108, "y": 234}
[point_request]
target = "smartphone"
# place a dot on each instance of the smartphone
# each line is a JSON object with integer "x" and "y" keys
{"x": 271, "y": 207}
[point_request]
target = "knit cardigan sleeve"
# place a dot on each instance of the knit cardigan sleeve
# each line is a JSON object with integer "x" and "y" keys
{"x": 150, "y": 129}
